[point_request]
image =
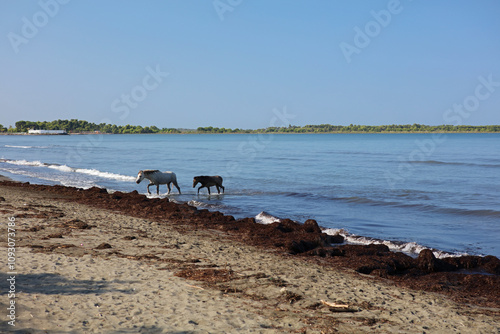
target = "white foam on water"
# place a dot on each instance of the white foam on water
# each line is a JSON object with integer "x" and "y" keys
{"x": 68, "y": 182}
{"x": 68, "y": 169}
{"x": 25, "y": 147}
{"x": 61, "y": 168}
{"x": 155, "y": 195}
{"x": 205, "y": 205}
{"x": 410, "y": 248}
{"x": 24, "y": 163}
{"x": 197, "y": 204}
{"x": 266, "y": 218}
{"x": 106, "y": 175}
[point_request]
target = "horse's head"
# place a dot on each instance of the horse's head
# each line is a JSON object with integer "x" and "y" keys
{"x": 195, "y": 181}
{"x": 140, "y": 177}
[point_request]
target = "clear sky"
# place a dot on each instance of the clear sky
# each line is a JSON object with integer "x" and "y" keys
{"x": 250, "y": 63}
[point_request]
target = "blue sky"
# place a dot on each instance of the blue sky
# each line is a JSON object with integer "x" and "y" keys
{"x": 250, "y": 64}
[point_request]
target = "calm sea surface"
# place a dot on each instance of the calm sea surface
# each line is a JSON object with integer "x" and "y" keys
{"x": 410, "y": 191}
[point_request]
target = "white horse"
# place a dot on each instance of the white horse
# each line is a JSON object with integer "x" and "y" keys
{"x": 156, "y": 177}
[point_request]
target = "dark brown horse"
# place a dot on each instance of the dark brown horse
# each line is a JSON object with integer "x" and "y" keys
{"x": 208, "y": 181}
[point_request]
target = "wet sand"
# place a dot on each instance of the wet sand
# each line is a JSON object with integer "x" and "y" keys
{"x": 93, "y": 262}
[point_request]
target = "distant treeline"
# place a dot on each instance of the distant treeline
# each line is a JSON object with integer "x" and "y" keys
{"x": 328, "y": 128}
{"x": 80, "y": 126}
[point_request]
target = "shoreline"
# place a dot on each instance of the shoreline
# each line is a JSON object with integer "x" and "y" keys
{"x": 394, "y": 246}
{"x": 312, "y": 242}
{"x": 411, "y": 249}
{"x": 5, "y": 178}
{"x": 256, "y": 133}
{"x": 154, "y": 265}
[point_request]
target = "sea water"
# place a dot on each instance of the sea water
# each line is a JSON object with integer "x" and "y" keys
{"x": 409, "y": 191}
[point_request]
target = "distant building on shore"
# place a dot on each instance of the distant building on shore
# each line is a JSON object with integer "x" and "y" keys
{"x": 47, "y": 132}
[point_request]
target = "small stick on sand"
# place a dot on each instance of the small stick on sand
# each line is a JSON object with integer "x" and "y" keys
{"x": 194, "y": 286}
{"x": 333, "y": 304}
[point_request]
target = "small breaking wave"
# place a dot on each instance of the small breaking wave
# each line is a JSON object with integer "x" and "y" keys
{"x": 410, "y": 248}
{"x": 26, "y": 147}
{"x": 24, "y": 163}
{"x": 209, "y": 206}
{"x": 68, "y": 182}
{"x": 266, "y": 218}
{"x": 199, "y": 204}
{"x": 68, "y": 169}
{"x": 106, "y": 175}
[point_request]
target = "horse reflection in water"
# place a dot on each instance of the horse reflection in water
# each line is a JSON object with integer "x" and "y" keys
{"x": 156, "y": 178}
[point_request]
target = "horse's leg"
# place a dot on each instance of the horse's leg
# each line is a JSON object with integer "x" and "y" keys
{"x": 218, "y": 190}
{"x": 222, "y": 188}
{"x": 208, "y": 187}
{"x": 168, "y": 186}
{"x": 149, "y": 185}
{"x": 199, "y": 189}
{"x": 158, "y": 189}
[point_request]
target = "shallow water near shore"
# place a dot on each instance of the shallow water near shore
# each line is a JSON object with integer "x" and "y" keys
{"x": 411, "y": 190}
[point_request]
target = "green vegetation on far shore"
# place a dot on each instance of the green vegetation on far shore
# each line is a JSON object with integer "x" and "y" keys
{"x": 328, "y": 128}
{"x": 80, "y": 126}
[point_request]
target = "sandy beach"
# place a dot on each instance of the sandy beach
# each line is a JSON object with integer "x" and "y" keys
{"x": 93, "y": 262}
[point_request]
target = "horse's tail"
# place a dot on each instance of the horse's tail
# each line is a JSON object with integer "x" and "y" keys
{"x": 174, "y": 181}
